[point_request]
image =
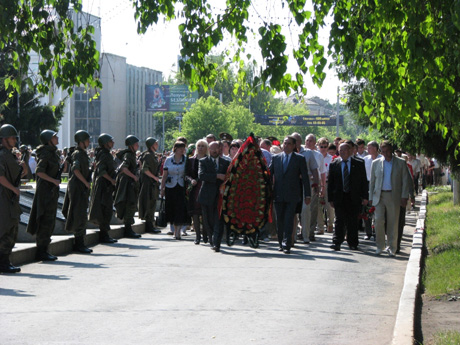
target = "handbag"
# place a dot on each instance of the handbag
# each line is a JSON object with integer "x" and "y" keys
{"x": 160, "y": 220}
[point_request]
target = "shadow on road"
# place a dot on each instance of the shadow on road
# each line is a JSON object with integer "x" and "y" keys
{"x": 14, "y": 293}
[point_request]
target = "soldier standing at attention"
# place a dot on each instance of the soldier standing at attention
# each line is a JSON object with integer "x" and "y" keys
{"x": 101, "y": 201}
{"x": 43, "y": 214}
{"x": 127, "y": 186}
{"x": 10, "y": 211}
{"x": 76, "y": 197}
{"x": 149, "y": 185}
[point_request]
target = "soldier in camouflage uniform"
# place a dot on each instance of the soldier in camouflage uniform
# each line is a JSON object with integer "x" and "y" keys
{"x": 10, "y": 211}
{"x": 149, "y": 185}
{"x": 75, "y": 206}
{"x": 101, "y": 201}
{"x": 43, "y": 214}
{"x": 127, "y": 186}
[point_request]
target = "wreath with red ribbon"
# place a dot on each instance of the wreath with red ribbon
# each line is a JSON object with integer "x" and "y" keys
{"x": 245, "y": 201}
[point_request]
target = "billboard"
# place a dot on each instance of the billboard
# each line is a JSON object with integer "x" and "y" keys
{"x": 175, "y": 98}
{"x": 298, "y": 120}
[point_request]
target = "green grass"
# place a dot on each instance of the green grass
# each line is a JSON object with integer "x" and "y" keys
{"x": 442, "y": 270}
{"x": 447, "y": 338}
{"x": 438, "y": 189}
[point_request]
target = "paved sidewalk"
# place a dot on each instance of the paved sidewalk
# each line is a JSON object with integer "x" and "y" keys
{"x": 156, "y": 290}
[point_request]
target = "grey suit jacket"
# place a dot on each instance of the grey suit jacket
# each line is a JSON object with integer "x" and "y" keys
{"x": 287, "y": 184}
{"x": 400, "y": 180}
{"x": 207, "y": 173}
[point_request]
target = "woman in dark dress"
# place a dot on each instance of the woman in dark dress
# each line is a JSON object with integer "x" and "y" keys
{"x": 193, "y": 188}
{"x": 173, "y": 189}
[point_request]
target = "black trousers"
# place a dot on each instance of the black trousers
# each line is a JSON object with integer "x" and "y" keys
{"x": 212, "y": 225}
{"x": 346, "y": 221}
{"x": 285, "y": 221}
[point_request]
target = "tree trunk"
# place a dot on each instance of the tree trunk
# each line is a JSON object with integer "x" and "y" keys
{"x": 456, "y": 187}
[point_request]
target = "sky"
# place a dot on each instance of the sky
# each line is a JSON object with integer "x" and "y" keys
{"x": 159, "y": 48}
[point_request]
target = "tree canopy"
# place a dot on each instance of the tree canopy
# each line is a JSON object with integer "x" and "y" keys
{"x": 407, "y": 52}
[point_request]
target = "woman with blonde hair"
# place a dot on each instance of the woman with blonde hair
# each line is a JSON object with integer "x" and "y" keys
{"x": 193, "y": 188}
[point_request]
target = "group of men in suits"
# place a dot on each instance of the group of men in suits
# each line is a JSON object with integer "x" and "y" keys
{"x": 348, "y": 191}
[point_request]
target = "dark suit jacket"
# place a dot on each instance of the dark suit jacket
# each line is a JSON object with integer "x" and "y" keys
{"x": 207, "y": 173}
{"x": 358, "y": 181}
{"x": 286, "y": 185}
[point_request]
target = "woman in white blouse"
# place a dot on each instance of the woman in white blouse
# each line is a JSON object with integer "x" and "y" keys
{"x": 173, "y": 189}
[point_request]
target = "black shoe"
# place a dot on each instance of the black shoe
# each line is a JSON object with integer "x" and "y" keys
{"x": 149, "y": 227}
{"x": 353, "y": 247}
{"x": 197, "y": 242}
{"x": 129, "y": 232}
{"x": 312, "y": 238}
{"x": 79, "y": 246}
{"x": 286, "y": 251}
{"x": 245, "y": 240}
{"x": 9, "y": 269}
{"x": 104, "y": 237}
{"x": 280, "y": 249}
{"x": 217, "y": 249}
{"x": 205, "y": 240}
{"x": 82, "y": 249}
{"x": 43, "y": 255}
{"x": 335, "y": 247}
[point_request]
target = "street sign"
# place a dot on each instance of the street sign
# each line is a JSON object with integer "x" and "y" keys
{"x": 298, "y": 120}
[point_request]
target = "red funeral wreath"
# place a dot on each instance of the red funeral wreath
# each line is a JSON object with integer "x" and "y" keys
{"x": 245, "y": 201}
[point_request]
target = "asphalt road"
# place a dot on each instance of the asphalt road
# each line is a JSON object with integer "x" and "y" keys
{"x": 156, "y": 290}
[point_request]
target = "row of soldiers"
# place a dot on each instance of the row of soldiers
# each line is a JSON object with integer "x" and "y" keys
{"x": 101, "y": 185}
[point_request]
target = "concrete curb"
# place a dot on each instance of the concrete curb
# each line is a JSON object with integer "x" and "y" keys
{"x": 63, "y": 244}
{"x": 403, "y": 333}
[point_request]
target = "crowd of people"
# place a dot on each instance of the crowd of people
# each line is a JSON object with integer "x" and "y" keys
{"x": 338, "y": 187}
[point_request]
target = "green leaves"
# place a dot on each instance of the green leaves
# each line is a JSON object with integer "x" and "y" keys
{"x": 68, "y": 57}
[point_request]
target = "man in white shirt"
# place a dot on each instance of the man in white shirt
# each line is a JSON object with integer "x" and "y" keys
{"x": 323, "y": 145}
{"x": 361, "y": 148}
{"x": 373, "y": 150}
{"x": 388, "y": 190}
{"x": 424, "y": 165}
{"x": 416, "y": 169}
{"x": 310, "y": 143}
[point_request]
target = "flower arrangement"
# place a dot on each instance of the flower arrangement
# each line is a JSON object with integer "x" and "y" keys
{"x": 366, "y": 212}
{"x": 246, "y": 193}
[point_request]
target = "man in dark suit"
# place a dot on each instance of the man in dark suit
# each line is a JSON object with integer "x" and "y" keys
{"x": 211, "y": 170}
{"x": 347, "y": 191}
{"x": 287, "y": 168}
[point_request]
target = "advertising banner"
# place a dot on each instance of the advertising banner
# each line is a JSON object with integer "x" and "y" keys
{"x": 175, "y": 98}
{"x": 298, "y": 120}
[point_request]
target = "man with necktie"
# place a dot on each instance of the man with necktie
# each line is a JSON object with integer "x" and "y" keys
{"x": 211, "y": 171}
{"x": 347, "y": 191}
{"x": 287, "y": 168}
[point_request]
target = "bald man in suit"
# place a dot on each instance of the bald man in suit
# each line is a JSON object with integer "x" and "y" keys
{"x": 288, "y": 169}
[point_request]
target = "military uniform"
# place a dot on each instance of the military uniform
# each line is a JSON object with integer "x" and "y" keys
{"x": 76, "y": 197}
{"x": 10, "y": 211}
{"x": 43, "y": 214}
{"x": 101, "y": 201}
{"x": 149, "y": 189}
{"x": 127, "y": 191}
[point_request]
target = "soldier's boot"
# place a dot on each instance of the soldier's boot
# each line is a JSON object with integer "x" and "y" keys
{"x": 6, "y": 266}
{"x": 129, "y": 232}
{"x": 150, "y": 228}
{"x": 104, "y": 236}
{"x": 79, "y": 245}
{"x": 43, "y": 255}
